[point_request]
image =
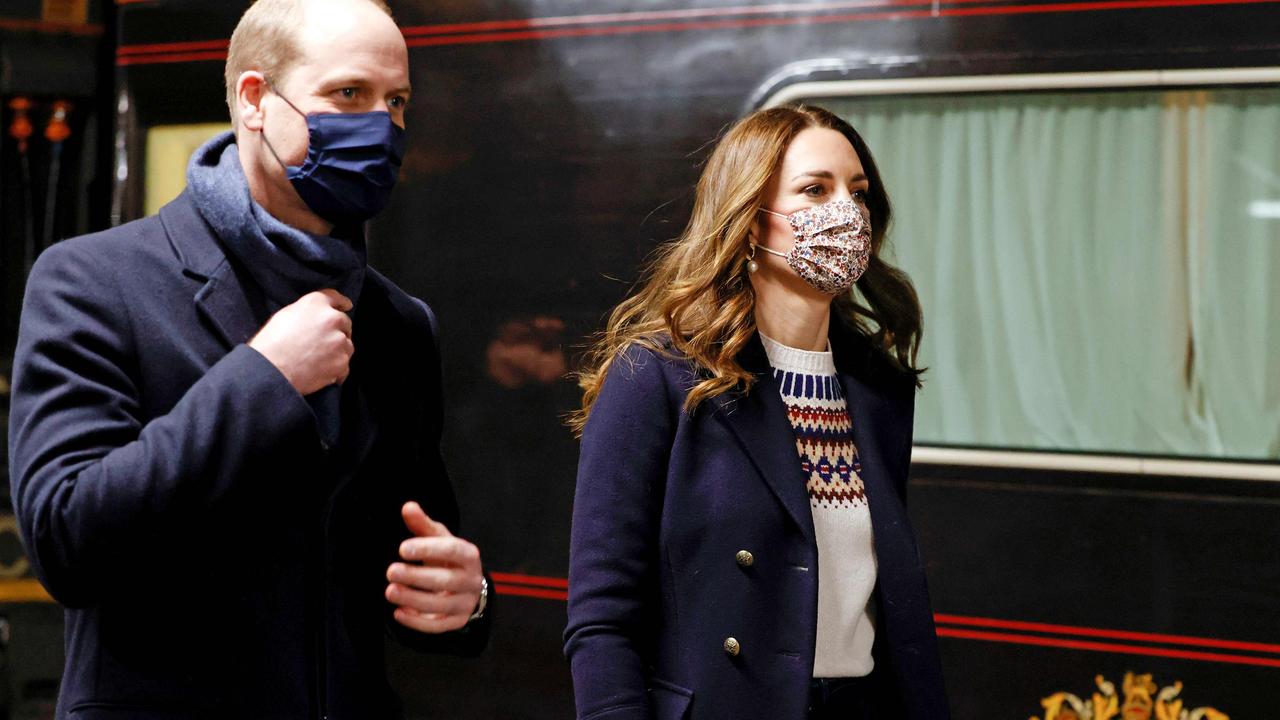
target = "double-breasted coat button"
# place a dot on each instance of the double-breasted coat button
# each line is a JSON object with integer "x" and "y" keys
{"x": 732, "y": 647}
{"x": 745, "y": 558}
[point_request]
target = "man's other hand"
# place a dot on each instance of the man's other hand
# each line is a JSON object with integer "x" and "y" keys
{"x": 437, "y": 587}
{"x": 309, "y": 341}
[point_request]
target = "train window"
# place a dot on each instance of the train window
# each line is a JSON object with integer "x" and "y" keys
{"x": 1099, "y": 269}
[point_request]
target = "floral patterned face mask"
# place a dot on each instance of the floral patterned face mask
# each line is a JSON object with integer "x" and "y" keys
{"x": 833, "y": 245}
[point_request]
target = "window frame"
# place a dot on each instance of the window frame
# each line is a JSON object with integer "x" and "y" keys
{"x": 1051, "y": 460}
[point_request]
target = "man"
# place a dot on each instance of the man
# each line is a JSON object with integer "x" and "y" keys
{"x": 225, "y": 427}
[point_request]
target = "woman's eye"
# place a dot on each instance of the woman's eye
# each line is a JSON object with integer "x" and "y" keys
{"x": 815, "y": 191}
{"x": 860, "y": 195}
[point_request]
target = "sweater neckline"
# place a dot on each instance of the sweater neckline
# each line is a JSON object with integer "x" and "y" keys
{"x": 806, "y": 362}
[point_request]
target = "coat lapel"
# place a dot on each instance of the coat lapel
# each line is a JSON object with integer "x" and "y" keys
{"x": 359, "y": 423}
{"x": 866, "y": 413}
{"x": 758, "y": 420}
{"x": 221, "y": 300}
{"x": 879, "y": 424}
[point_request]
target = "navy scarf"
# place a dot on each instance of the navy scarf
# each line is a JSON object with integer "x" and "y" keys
{"x": 285, "y": 262}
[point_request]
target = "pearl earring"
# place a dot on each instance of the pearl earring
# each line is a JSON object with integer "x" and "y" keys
{"x": 752, "y": 265}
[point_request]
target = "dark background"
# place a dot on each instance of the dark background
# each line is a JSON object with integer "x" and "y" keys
{"x": 542, "y": 171}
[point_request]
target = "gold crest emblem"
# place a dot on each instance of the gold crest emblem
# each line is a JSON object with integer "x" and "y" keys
{"x": 1142, "y": 700}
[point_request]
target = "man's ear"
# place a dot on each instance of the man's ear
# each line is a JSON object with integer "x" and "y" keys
{"x": 250, "y": 89}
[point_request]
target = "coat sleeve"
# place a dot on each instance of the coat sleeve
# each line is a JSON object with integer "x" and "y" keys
{"x": 614, "y": 554}
{"x": 96, "y": 487}
{"x": 435, "y": 494}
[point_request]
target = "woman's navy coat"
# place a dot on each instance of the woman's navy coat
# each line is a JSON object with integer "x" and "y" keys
{"x": 666, "y": 499}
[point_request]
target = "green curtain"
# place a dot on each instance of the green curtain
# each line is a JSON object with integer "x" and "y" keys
{"x": 1091, "y": 272}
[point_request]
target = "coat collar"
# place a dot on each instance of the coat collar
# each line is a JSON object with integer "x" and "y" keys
{"x": 759, "y": 421}
{"x": 221, "y": 301}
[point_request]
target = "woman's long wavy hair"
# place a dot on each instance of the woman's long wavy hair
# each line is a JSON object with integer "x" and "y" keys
{"x": 696, "y": 291}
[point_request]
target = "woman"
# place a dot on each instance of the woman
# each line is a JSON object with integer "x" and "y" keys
{"x": 740, "y": 545}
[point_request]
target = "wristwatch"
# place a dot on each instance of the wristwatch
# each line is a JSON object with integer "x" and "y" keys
{"x": 483, "y": 602}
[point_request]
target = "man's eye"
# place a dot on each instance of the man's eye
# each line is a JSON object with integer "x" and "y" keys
{"x": 348, "y": 93}
{"x": 398, "y": 101}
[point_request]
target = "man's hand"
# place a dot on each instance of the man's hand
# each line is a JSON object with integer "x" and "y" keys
{"x": 309, "y": 341}
{"x": 438, "y": 586}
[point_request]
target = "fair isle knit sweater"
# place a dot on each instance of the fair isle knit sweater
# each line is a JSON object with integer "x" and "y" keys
{"x": 819, "y": 416}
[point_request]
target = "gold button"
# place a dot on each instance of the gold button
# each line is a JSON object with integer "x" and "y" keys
{"x": 732, "y": 647}
{"x": 745, "y": 558}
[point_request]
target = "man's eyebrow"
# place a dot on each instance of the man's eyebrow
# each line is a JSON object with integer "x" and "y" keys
{"x": 356, "y": 81}
{"x": 345, "y": 81}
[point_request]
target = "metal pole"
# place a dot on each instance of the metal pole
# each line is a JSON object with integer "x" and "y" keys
{"x": 56, "y": 132}
{"x": 20, "y": 129}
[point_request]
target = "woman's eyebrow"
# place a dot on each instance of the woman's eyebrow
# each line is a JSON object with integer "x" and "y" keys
{"x": 826, "y": 175}
{"x": 821, "y": 174}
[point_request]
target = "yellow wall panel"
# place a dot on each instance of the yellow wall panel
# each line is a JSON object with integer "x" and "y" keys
{"x": 169, "y": 147}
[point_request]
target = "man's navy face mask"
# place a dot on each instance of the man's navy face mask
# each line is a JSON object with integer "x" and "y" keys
{"x": 352, "y": 163}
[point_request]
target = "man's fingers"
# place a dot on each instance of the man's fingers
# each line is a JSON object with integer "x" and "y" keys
{"x": 344, "y": 325}
{"x": 420, "y": 524}
{"x": 415, "y": 620}
{"x": 440, "y": 551}
{"x": 416, "y": 520}
{"x": 337, "y": 300}
{"x": 434, "y": 579}
{"x": 429, "y": 602}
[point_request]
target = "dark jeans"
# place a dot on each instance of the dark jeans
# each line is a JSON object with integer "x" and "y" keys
{"x": 843, "y": 699}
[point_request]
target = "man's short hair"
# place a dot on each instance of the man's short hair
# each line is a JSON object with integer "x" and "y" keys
{"x": 266, "y": 40}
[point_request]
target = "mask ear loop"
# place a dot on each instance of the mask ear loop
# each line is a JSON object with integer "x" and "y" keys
{"x": 754, "y": 246}
{"x": 272, "y": 87}
{"x": 752, "y": 265}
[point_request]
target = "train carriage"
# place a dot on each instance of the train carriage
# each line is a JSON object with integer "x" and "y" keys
{"x": 1087, "y": 196}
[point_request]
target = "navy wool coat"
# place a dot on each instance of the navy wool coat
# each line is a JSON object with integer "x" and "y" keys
{"x": 215, "y": 558}
{"x": 666, "y": 499}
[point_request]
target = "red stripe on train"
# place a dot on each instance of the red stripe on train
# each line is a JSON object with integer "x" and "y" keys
{"x": 502, "y": 589}
{"x": 536, "y": 586}
{"x": 1106, "y": 647}
{"x": 539, "y": 580}
{"x": 461, "y": 33}
{"x": 1021, "y": 625}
